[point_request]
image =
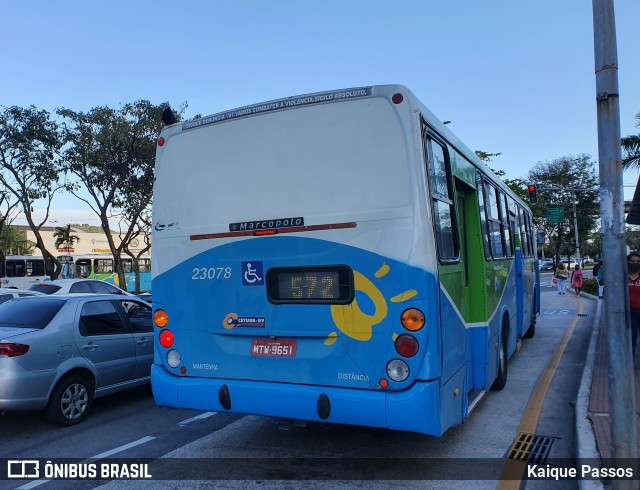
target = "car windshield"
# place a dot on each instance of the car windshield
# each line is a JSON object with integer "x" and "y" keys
{"x": 45, "y": 288}
{"x": 28, "y": 312}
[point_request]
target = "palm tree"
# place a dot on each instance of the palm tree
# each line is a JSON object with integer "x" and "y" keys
{"x": 631, "y": 149}
{"x": 64, "y": 237}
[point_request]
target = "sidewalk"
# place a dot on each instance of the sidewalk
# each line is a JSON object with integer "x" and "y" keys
{"x": 592, "y": 408}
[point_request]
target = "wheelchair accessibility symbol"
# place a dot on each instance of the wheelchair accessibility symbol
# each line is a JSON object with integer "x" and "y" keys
{"x": 252, "y": 274}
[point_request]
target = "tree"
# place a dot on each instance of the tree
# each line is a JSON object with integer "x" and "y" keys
{"x": 14, "y": 242}
{"x": 63, "y": 236}
{"x": 29, "y": 167}
{"x": 111, "y": 153}
{"x": 631, "y": 149}
{"x": 568, "y": 172}
{"x": 8, "y": 205}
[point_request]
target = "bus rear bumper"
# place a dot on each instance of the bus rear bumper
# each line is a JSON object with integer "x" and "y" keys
{"x": 415, "y": 409}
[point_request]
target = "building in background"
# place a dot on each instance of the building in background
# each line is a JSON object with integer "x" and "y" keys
{"x": 89, "y": 242}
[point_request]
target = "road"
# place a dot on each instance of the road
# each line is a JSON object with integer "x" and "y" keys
{"x": 233, "y": 451}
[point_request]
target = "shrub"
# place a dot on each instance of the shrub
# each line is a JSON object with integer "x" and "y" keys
{"x": 590, "y": 285}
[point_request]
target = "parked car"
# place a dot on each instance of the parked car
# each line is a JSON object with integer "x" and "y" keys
{"x": 145, "y": 295}
{"x": 546, "y": 265}
{"x": 64, "y": 286}
{"x": 59, "y": 352}
{"x": 10, "y": 293}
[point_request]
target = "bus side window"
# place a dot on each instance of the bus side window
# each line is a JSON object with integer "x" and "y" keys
{"x": 83, "y": 268}
{"x": 144, "y": 265}
{"x": 483, "y": 216}
{"x": 441, "y": 199}
{"x": 103, "y": 266}
{"x": 35, "y": 268}
{"x": 15, "y": 268}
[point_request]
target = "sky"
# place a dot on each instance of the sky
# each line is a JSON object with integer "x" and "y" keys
{"x": 512, "y": 77}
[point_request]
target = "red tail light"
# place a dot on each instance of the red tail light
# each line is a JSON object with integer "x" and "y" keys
{"x": 406, "y": 345}
{"x": 166, "y": 338}
{"x": 13, "y": 350}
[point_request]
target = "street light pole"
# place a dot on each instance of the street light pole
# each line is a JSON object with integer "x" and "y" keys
{"x": 622, "y": 400}
{"x": 575, "y": 226}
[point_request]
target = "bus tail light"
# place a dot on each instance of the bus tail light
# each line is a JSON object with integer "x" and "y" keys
{"x": 412, "y": 319}
{"x": 160, "y": 318}
{"x": 8, "y": 349}
{"x": 406, "y": 345}
{"x": 397, "y": 370}
{"x": 166, "y": 338}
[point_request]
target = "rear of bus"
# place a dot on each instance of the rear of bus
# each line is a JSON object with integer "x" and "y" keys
{"x": 294, "y": 270}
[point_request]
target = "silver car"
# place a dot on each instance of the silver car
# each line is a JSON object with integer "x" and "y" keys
{"x": 7, "y": 294}
{"x": 59, "y": 352}
{"x": 65, "y": 286}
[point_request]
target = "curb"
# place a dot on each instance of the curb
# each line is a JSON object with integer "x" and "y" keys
{"x": 586, "y": 447}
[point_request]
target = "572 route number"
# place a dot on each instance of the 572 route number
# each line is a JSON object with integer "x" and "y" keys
{"x": 211, "y": 273}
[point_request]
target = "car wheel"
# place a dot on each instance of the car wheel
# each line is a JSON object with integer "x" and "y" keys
{"x": 503, "y": 365}
{"x": 70, "y": 401}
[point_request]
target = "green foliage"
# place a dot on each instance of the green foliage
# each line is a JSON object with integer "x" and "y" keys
{"x": 30, "y": 165}
{"x": 631, "y": 149}
{"x": 110, "y": 153}
{"x": 577, "y": 172}
{"x": 64, "y": 236}
{"x": 590, "y": 285}
{"x": 487, "y": 157}
{"x": 14, "y": 242}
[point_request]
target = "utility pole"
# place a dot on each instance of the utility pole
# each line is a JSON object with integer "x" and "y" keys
{"x": 575, "y": 226}
{"x": 622, "y": 402}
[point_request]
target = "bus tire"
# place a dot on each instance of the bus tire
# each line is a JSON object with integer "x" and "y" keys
{"x": 531, "y": 332}
{"x": 532, "y": 328}
{"x": 70, "y": 400}
{"x": 503, "y": 365}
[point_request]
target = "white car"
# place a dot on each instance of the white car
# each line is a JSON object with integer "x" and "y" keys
{"x": 7, "y": 294}
{"x": 90, "y": 286}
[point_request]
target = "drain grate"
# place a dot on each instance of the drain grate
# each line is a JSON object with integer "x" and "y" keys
{"x": 531, "y": 448}
{"x": 582, "y": 314}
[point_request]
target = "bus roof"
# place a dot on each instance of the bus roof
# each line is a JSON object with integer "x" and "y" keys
{"x": 333, "y": 96}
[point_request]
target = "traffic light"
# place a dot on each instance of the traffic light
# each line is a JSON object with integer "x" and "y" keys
{"x": 533, "y": 199}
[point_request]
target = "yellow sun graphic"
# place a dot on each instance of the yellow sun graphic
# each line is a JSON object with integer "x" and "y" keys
{"x": 352, "y": 321}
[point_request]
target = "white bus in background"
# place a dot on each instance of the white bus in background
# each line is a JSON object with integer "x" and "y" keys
{"x": 21, "y": 271}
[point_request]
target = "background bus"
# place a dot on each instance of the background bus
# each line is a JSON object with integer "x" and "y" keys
{"x": 340, "y": 257}
{"x": 21, "y": 271}
{"x": 102, "y": 266}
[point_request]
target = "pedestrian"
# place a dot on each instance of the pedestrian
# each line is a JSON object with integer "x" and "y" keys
{"x": 598, "y": 273}
{"x": 576, "y": 279}
{"x": 633, "y": 264}
{"x": 561, "y": 275}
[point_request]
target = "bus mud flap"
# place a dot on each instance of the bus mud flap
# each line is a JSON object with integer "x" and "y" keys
{"x": 224, "y": 397}
{"x": 324, "y": 406}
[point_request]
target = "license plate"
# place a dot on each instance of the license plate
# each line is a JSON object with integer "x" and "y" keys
{"x": 273, "y": 348}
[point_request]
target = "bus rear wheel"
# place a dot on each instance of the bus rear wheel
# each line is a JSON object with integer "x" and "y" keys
{"x": 503, "y": 365}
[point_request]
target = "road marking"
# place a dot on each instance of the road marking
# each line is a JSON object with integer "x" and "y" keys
{"x": 106, "y": 454}
{"x": 529, "y": 421}
{"x": 197, "y": 417}
{"x": 557, "y": 311}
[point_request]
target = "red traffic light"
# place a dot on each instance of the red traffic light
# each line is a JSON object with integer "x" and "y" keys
{"x": 532, "y": 194}
{"x": 532, "y": 188}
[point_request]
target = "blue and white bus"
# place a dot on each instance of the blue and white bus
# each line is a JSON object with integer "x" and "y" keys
{"x": 22, "y": 271}
{"x": 335, "y": 257}
{"x": 102, "y": 266}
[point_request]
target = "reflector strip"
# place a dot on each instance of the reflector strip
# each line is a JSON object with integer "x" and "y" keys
{"x": 293, "y": 229}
